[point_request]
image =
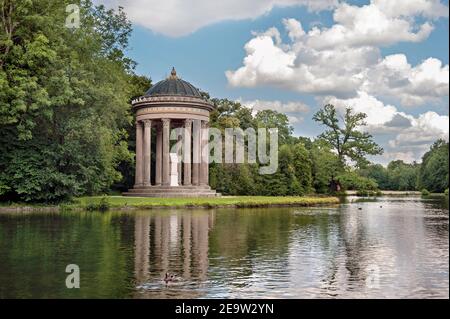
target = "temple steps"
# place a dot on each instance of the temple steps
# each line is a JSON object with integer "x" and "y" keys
{"x": 172, "y": 195}
{"x": 172, "y": 191}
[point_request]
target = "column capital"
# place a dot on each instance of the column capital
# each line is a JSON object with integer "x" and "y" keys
{"x": 165, "y": 122}
{"x": 188, "y": 123}
{"x": 205, "y": 124}
{"x": 147, "y": 123}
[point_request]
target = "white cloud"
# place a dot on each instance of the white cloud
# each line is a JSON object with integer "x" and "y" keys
{"x": 377, "y": 112}
{"x": 345, "y": 59}
{"x": 407, "y": 157}
{"x": 427, "y": 8}
{"x": 182, "y": 17}
{"x": 300, "y": 68}
{"x": 425, "y": 129}
{"x": 395, "y": 77}
{"x": 288, "y": 107}
{"x": 295, "y": 119}
{"x": 293, "y": 110}
{"x": 368, "y": 25}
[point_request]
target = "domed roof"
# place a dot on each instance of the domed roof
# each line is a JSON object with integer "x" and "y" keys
{"x": 173, "y": 86}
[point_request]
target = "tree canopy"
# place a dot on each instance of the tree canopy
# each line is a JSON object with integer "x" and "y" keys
{"x": 64, "y": 99}
{"x": 345, "y": 134}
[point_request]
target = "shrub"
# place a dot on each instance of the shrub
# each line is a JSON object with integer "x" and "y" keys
{"x": 352, "y": 181}
{"x": 102, "y": 206}
{"x": 425, "y": 192}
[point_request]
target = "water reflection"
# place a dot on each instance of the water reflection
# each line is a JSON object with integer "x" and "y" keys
{"x": 384, "y": 247}
{"x": 175, "y": 243}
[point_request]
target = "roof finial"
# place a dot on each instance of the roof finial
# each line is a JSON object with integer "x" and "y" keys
{"x": 173, "y": 74}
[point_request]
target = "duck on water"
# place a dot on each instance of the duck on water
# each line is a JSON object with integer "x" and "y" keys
{"x": 168, "y": 278}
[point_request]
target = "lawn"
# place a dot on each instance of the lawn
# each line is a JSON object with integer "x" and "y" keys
{"x": 225, "y": 201}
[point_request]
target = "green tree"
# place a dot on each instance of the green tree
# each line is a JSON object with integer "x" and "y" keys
{"x": 302, "y": 164}
{"x": 345, "y": 135}
{"x": 433, "y": 174}
{"x": 64, "y": 100}
{"x": 402, "y": 176}
{"x": 325, "y": 166}
{"x": 378, "y": 173}
{"x": 351, "y": 180}
{"x": 273, "y": 119}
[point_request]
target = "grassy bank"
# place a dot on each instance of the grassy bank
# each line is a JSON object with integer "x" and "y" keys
{"x": 121, "y": 202}
{"x": 226, "y": 201}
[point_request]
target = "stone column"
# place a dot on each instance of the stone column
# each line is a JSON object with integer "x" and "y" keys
{"x": 138, "y": 176}
{"x": 204, "y": 166}
{"x": 179, "y": 153}
{"x": 187, "y": 151}
{"x": 165, "y": 152}
{"x": 158, "y": 170}
{"x": 147, "y": 151}
{"x": 196, "y": 153}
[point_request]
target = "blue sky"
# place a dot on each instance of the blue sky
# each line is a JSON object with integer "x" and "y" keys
{"x": 203, "y": 52}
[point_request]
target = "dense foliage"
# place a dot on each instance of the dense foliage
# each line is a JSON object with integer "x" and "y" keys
{"x": 64, "y": 99}
{"x": 305, "y": 166}
{"x": 431, "y": 174}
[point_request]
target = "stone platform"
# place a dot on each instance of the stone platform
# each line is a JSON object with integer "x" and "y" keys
{"x": 172, "y": 191}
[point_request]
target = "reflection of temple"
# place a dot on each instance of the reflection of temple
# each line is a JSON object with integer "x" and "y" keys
{"x": 174, "y": 242}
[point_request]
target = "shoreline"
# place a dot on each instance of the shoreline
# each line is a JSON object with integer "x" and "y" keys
{"x": 388, "y": 193}
{"x": 120, "y": 203}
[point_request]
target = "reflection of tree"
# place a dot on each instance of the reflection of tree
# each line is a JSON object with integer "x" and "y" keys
{"x": 244, "y": 238}
{"x": 353, "y": 238}
{"x": 35, "y": 250}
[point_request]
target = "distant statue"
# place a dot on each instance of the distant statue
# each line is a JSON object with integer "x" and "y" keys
{"x": 173, "y": 169}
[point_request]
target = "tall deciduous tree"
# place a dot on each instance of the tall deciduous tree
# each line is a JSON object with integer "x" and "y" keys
{"x": 64, "y": 99}
{"x": 344, "y": 134}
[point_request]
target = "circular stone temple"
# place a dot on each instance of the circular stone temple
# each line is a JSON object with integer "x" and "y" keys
{"x": 177, "y": 115}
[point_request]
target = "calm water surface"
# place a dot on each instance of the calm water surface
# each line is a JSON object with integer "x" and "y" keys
{"x": 389, "y": 247}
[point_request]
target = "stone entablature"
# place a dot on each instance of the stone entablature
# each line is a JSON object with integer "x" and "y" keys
{"x": 172, "y": 111}
{"x": 144, "y": 101}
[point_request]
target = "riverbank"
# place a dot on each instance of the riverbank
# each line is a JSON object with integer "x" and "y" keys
{"x": 129, "y": 203}
{"x": 387, "y": 192}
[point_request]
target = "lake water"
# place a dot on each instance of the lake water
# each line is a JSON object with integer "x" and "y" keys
{"x": 389, "y": 247}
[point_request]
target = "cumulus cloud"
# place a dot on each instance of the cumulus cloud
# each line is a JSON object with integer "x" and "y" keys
{"x": 300, "y": 68}
{"x": 181, "y": 17}
{"x": 295, "y": 119}
{"x": 377, "y": 112}
{"x": 427, "y": 8}
{"x": 367, "y": 25}
{"x": 424, "y": 130}
{"x": 395, "y": 77}
{"x": 345, "y": 58}
{"x": 288, "y": 107}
